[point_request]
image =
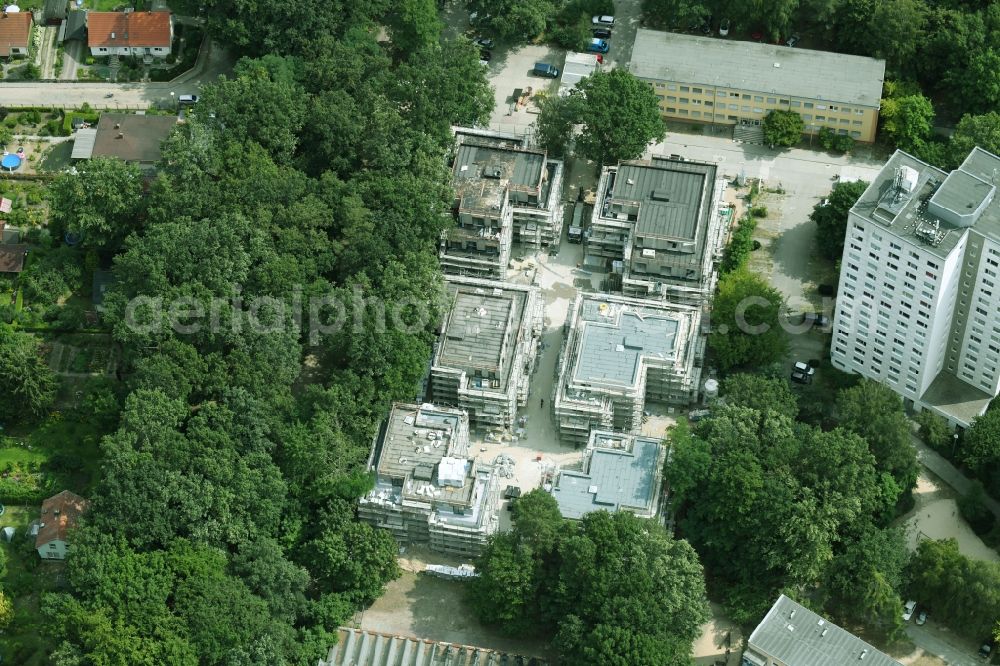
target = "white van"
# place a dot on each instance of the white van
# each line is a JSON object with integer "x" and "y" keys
{"x": 187, "y": 99}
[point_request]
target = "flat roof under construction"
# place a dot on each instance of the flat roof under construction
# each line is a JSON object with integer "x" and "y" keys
{"x": 617, "y": 338}
{"x": 616, "y": 478}
{"x": 481, "y": 329}
{"x": 483, "y": 172}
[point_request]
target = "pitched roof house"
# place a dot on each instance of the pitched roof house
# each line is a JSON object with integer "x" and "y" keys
{"x": 15, "y": 31}
{"x": 130, "y": 33}
{"x": 60, "y": 513}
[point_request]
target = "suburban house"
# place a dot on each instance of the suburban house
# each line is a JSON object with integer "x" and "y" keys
{"x": 130, "y": 33}
{"x": 15, "y": 33}
{"x": 60, "y": 513}
{"x": 129, "y": 137}
{"x": 792, "y": 635}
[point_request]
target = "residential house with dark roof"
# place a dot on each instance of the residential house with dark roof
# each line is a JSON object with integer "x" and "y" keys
{"x": 15, "y": 33}
{"x": 129, "y": 33}
{"x": 60, "y": 513}
{"x": 129, "y": 137}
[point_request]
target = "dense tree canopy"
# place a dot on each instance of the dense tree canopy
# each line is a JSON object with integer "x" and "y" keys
{"x": 760, "y": 393}
{"x": 980, "y": 450}
{"x": 745, "y": 322}
{"x": 964, "y": 593}
{"x": 620, "y": 117}
{"x": 565, "y": 580}
{"x": 101, "y": 202}
{"x": 25, "y": 376}
{"x": 770, "y": 504}
{"x": 222, "y": 531}
{"x": 831, "y": 218}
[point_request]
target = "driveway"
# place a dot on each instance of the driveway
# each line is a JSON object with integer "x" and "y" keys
{"x": 938, "y": 641}
{"x": 73, "y": 55}
{"x": 46, "y": 57}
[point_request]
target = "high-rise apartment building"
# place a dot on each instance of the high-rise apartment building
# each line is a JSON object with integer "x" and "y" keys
{"x": 918, "y": 307}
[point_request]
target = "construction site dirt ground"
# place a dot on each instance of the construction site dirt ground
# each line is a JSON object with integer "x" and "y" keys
{"x": 436, "y": 609}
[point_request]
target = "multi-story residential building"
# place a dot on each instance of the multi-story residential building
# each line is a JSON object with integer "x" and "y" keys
{"x": 148, "y": 35}
{"x": 619, "y": 352}
{"x": 428, "y": 488}
{"x": 919, "y": 291}
{"x": 792, "y": 635}
{"x": 658, "y": 224}
{"x": 505, "y": 192}
{"x": 729, "y": 82}
{"x": 486, "y": 351}
{"x": 620, "y": 473}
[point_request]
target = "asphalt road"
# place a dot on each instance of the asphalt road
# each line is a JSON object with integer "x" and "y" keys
{"x": 935, "y": 642}
{"x": 213, "y": 62}
{"x": 72, "y": 56}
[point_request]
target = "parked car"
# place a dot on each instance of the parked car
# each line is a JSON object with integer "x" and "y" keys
{"x": 801, "y": 378}
{"x": 187, "y": 99}
{"x": 908, "y": 608}
{"x": 793, "y": 40}
{"x": 724, "y": 28}
{"x": 818, "y": 318}
{"x": 757, "y": 36}
{"x": 485, "y": 55}
{"x": 545, "y": 69}
{"x": 985, "y": 650}
{"x": 597, "y": 46}
{"x": 706, "y": 27}
{"x": 696, "y": 415}
{"x": 823, "y": 203}
{"x": 603, "y": 20}
{"x": 602, "y": 33}
{"x": 483, "y": 42}
{"x": 805, "y": 368}
{"x": 922, "y": 617}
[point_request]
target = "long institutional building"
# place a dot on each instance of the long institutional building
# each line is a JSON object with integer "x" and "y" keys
{"x": 919, "y": 297}
{"x": 703, "y": 79}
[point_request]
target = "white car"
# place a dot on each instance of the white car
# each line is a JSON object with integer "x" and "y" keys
{"x": 724, "y": 28}
{"x": 604, "y": 20}
{"x": 804, "y": 368}
{"x": 908, "y": 609}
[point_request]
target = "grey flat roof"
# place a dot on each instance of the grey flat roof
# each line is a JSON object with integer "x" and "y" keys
{"x": 796, "y": 636}
{"x": 615, "y": 479}
{"x": 616, "y": 339}
{"x": 670, "y": 196}
{"x": 413, "y": 441}
{"x": 481, "y": 329}
{"x": 520, "y": 169}
{"x": 801, "y": 73}
{"x": 83, "y": 144}
{"x": 903, "y": 214}
{"x": 956, "y": 398}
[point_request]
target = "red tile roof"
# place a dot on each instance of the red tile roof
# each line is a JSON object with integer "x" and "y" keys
{"x": 14, "y": 31}
{"x": 139, "y": 29}
{"x": 59, "y": 513}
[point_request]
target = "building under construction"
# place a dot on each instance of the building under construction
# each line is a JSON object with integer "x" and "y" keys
{"x": 487, "y": 350}
{"x": 620, "y": 473}
{"x": 505, "y": 192}
{"x": 618, "y": 353}
{"x": 658, "y": 228}
{"x": 428, "y": 488}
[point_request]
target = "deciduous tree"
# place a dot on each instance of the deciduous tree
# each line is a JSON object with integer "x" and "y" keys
{"x": 831, "y": 219}
{"x": 783, "y": 128}
{"x": 620, "y": 116}
{"x": 101, "y": 201}
{"x": 745, "y": 328}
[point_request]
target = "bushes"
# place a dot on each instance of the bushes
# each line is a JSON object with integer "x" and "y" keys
{"x": 830, "y": 140}
{"x": 741, "y": 244}
{"x": 974, "y": 510}
{"x": 934, "y": 431}
{"x": 758, "y": 211}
